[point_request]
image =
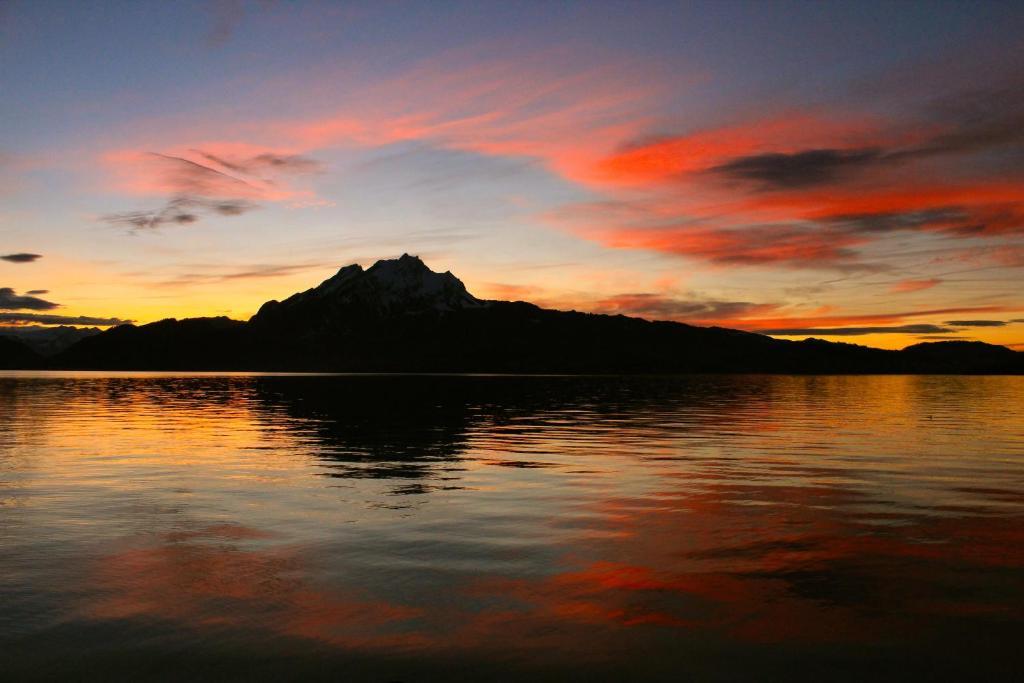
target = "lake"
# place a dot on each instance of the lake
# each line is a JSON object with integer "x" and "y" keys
{"x": 389, "y": 528}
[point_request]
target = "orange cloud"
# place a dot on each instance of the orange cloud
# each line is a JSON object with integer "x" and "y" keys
{"x": 670, "y": 158}
{"x": 906, "y": 286}
{"x": 510, "y": 292}
{"x": 998, "y": 202}
{"x": 690, "y": 309}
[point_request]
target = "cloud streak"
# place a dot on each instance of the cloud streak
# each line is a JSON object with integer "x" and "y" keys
{"x": 20, "y": 258}
{"x": 885, "y": 318}
{"x": 976, "y": 323}
{"x": 249, "y": 272}
{"x": 907, "y": 286}
{"x": 920, "y": 328}
{"x": 49, "y": 319}
{"x": 661, "y": 307}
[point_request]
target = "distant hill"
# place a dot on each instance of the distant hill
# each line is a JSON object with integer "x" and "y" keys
{"x": 48, "y": 341}
{"x": 400, "y": 316}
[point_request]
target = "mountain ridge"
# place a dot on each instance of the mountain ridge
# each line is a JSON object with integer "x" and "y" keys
{"x": 401, "y": 316}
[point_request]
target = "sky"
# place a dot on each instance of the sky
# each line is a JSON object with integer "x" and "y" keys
{"x": 849, "y": 171}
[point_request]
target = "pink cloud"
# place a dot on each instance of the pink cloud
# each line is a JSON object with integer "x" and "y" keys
{"x": 211, "y": 170}
{"x": 703, "y": 193}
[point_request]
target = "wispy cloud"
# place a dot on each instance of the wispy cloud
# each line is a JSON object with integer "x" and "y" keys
{"x": 206, "y": 274}
{"x": 178, "y": 211}
{"x": 228, "y": 180}
{"x": 642, "y": 225}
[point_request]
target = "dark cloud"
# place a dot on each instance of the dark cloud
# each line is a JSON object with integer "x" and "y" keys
{"x": 9, "y": 301}
{"x": 230, "y": 208}
{"x": 37, "y": 292}
{"x": 177, "y": 211}
{"x": 20, "y": 258}
{"x": 856, "y": 331}
{"x": 292, "y": 163}
{"x": 975, "y": 323}
{"x": 48, "y": 319}
{"x": 986, "y": 219}
{"x": 895, "y": 221}
{"x": 799, "y": 169}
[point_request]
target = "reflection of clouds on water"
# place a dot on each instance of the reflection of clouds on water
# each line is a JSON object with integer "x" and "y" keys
{"x": 718, "y": 525}
{"x": 228, "y": 576}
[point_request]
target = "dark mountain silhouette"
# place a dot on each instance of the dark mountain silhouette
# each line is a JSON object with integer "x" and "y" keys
{"x": 400, "y": 316}
{"x": 16, "y": 355}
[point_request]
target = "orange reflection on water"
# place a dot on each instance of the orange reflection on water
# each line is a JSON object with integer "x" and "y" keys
{"x": 613, "y": 523}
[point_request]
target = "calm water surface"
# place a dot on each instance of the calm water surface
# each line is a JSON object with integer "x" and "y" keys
{"x": 492, "y": 528}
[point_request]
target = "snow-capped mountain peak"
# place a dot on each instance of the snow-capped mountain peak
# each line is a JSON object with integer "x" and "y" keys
{"x": 390, "y": 286}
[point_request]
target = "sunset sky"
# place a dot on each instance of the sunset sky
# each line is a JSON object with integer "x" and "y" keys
{"x": 851, "y": 171}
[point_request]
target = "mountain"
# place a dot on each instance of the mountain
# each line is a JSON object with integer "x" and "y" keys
{"x": 48, "y": 341}
{"x": 963, "y": 356}
{"x": 389, "y": 287}
{"x": 400, "y": 316}
{"x": 398, "y": 287}
{"x": 15, "y": 355}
